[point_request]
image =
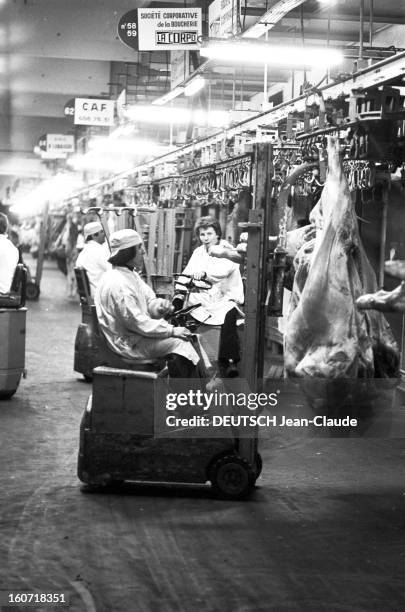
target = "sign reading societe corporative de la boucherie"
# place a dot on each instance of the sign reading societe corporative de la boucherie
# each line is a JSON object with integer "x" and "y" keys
{"x": 161, "y": 28}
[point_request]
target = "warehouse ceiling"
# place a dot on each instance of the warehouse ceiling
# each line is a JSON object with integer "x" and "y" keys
{"x": 55, "y": 50}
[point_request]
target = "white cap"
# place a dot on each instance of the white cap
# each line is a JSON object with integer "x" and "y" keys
{"x": 92, "y": 228}
{"x": 123, "y": 239}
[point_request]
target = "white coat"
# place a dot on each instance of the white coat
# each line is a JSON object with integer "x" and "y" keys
{"x": 93, "y": 258}
{"x": 8, "y": 263}
{"x": 126, "y": 310}
{"x": 227, "y": 286}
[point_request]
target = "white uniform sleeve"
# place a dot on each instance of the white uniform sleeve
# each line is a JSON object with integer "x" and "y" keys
{"x": 194, "y": 263}
{"x": 220, "y": 270}
{"x": 137, "y": 321}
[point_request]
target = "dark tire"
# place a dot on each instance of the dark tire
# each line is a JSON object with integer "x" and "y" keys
{"x": 101, "y": 487}
{"x": 32, "y": 291}
{"x": 232, "y": 477}
{"x": 5, "y": 395}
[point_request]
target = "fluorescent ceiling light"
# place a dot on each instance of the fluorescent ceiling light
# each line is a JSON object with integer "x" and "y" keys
{"x": 170, "y": 95}
{"x": 56, "y": 188}
{"x": 122, "y": 130}
{"x": 194, "y": 86}
{"x": 99, "y": 162}
{"x": 127, "y": 146}
{"x": 264, "y": 53}
{"x": 178, "y": 116}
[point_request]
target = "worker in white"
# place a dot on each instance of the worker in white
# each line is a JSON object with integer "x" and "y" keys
{"x": 227, "y": 287}
{"x": 94, "y": 255}
{"x": 130, "y": 314}
{"x": 8, "y": 256}
{"x": 220, "y": 303}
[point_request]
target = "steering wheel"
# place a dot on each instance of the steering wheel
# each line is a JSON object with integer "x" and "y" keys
{"x": 184, "y": 311}
{"x": 202, "y": 284}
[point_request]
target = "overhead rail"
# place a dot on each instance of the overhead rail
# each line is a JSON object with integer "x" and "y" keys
{"x": 382, "y": 72}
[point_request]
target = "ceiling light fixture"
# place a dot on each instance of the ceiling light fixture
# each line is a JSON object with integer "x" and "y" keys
{"x": 50, "y": 190}
{"x": 194, "y": 86}
{"x": 250, "y": 51}
{"x": 170, "y": 95}
{"x": 127, "y": 146}
{"x": 178, "y": 116}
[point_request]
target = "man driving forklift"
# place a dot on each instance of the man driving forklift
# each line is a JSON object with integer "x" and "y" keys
{"x": 131, "y": 316}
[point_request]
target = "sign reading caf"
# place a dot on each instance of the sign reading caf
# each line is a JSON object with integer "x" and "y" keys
{"x": 91, "y": 111}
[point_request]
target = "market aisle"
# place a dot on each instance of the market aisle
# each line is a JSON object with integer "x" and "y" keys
{"x": 324, "y": 530}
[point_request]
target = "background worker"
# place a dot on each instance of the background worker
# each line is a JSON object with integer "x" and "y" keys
{"x": 130, "y": 314}
{"x": 219, "y": 304}
{"x": 94, "y": 255}
{"x": 8, "y": 256}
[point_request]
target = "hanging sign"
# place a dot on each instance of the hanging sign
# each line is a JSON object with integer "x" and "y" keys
{"x": 60, "y": 144}
{"x": 55, "y": 146}
{"x": 92, "y": 111}
{"x": 161, "y": 29}
{"x": 69, "y": 109}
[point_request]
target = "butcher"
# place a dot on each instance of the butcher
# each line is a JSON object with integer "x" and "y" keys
{"x": 130, "y": 314}
{"x": 94, "y": 256}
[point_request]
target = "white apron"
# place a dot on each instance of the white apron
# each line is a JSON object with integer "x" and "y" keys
{"x": 226, "y": 291}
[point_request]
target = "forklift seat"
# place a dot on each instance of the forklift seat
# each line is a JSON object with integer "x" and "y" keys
{"x": 16, "y": 296}
{"x": 111, "y": 359}
{"x": 83, "y": 286}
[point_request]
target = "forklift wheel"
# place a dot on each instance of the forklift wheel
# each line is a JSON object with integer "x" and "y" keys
{"x": 32, "y": 291}
{"x": 232, "y": 477}
{"x": 5, "y": 395}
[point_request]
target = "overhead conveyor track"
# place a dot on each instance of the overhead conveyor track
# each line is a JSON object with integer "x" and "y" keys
{"x": 380, "y": 73}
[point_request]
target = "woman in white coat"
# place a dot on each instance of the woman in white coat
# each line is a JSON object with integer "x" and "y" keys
{"x": 219, "y": 303}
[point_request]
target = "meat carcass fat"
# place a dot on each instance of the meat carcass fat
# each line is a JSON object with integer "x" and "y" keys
{"x": 327, "y": 336}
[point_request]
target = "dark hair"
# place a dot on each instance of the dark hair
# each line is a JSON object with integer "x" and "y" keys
{"x": 3, "y": 223}
{"x": 13, "y": 235}
{"x": 123, "y": 256}
{"x": 91, "y": 237}
{"x": 205, "y": 223}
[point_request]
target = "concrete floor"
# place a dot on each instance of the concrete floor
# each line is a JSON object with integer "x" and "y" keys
{"x": 324, "y": 530}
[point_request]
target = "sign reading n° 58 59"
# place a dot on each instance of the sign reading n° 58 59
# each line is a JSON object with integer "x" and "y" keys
{"x": 161, "y": 28}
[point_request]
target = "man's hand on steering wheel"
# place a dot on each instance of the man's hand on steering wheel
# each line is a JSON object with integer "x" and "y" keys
{"x": 165, "y": 307}
{"x": 182, "y": 333}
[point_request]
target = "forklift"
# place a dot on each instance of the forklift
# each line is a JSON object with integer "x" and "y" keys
{"x": 12, "y": 334}
{"x": 118, "y": 439}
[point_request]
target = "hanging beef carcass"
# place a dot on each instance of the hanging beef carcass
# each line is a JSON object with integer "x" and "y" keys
{"x": 327, "y": 336}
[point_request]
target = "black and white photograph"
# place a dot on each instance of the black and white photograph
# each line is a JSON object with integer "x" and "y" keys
{"x": 202, "y": 306}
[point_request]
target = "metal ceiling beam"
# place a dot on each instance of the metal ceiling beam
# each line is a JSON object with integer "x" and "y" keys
{"x": 379, "y": 18}
{"x": 335, "y": 37}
